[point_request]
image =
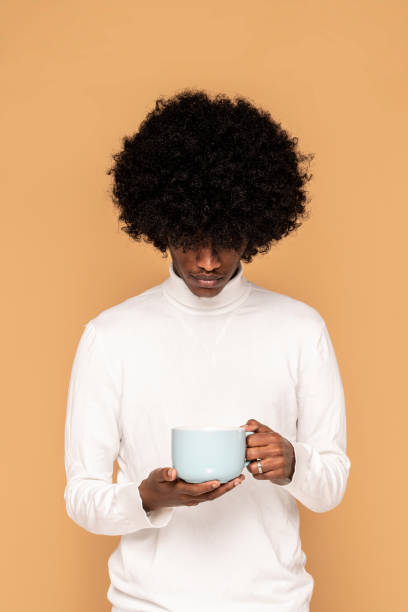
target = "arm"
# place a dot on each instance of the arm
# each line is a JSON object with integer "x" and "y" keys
{"x": 321, "y": 464}
{"x": 92, "y": 441}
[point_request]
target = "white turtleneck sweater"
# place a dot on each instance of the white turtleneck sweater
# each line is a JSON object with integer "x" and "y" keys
{"x": 167, "y": 357}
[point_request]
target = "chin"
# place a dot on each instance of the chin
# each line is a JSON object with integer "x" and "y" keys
{"x": 205, "y": 291}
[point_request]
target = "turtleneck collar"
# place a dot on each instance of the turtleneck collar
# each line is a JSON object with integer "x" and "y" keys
{"x": 231, "y": 295}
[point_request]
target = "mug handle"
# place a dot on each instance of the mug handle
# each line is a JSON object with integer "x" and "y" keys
{"x": 247, "y": 433}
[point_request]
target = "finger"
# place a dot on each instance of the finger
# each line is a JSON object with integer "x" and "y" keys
{"x": 271, "y": 475}
{"x": 262, "y": 452}
{"x": 227, "y": 486}
{"x": 267, "y": 464}
{"x": 262, "y": 438}
{"x": 254, "y": 425}
{"x": 167, "y": 474}
{"x": 222, "y": 489}
{"x": 196, "y": 489}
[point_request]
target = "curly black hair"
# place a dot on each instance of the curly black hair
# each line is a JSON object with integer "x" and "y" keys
{"x": 202, "y": 170}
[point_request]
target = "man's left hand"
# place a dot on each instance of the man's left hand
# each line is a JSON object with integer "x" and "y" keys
{"x": 276, "y": 453}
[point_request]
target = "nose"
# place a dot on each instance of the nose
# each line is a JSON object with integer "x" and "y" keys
{"x": 208, "y": 259}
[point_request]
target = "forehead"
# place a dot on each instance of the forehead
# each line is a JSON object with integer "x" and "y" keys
{"x": 195, "y": 245}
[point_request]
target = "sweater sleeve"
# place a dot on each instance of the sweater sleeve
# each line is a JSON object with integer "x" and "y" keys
{"x": 321, "y": 464}
{"x": 92, "y": 441}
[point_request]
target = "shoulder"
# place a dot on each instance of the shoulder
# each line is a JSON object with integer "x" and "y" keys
{"x": 292, "y": 315}
{"x": 120, "y": 319}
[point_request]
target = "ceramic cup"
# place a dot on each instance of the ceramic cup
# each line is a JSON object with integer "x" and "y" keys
{"x": 200, "y": 454}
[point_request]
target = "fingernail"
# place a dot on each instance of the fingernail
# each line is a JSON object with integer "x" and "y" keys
{"x": 215, "y": 485}
{"x": 236, "y": 482}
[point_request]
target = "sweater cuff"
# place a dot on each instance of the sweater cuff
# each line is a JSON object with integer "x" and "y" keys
{"x": 301, "y": 473}
{"x": 130, "y": 504}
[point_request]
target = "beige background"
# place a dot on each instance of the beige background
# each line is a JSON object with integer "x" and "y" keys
{"x": 77, "y": 76}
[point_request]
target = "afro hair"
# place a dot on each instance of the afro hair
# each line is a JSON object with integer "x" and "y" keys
{"x": 209, "y": 171}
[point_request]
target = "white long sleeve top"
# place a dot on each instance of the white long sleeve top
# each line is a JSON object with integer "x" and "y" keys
{"x": 165, "y": 358}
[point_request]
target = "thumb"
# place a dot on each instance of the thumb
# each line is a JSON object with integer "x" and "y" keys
{"x": 169, "y": 473}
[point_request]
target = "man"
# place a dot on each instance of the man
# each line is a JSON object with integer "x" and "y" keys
{"x": 212, "y": 182}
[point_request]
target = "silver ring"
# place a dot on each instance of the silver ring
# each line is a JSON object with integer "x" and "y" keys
{"x": 259, "y": 466}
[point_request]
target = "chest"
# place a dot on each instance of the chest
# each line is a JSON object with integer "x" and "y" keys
{"x": 205, "y": 372}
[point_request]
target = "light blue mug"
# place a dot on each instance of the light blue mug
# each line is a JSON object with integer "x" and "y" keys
{"x": 200, "y": 454}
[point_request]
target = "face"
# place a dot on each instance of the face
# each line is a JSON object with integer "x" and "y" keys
{"x": 206, "y": 263}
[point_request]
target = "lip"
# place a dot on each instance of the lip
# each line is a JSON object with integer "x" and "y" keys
{"x": 206, "y": 282}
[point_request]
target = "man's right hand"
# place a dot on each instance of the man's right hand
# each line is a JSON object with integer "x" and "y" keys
{"x": 162, "y": 488}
